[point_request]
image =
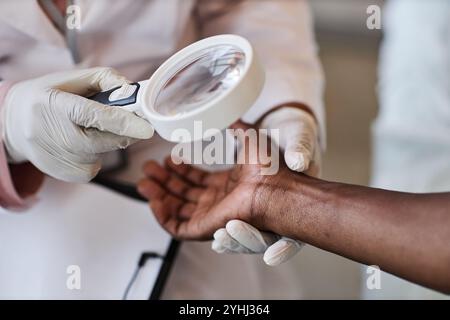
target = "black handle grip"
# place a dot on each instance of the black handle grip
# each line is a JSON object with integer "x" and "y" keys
{"x": 103, "y": 97}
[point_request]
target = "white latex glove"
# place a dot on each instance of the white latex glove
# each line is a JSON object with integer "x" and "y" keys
{"x": 240, "y": 237}
{"x": 48, "y": 122}
{"x": 299, "y": 140}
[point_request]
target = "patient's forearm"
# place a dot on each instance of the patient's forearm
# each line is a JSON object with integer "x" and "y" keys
{"x": 404, "y": 234}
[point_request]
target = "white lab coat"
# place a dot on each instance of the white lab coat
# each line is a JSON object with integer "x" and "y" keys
{"x": 412, "y": 131}
{"x": 135, "y": 36}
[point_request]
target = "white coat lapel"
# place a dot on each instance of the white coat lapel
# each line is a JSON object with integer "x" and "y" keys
{"x": 28, "y": 17}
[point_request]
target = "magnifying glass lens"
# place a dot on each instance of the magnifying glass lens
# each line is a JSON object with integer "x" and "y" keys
{"x": 210, "y": 74}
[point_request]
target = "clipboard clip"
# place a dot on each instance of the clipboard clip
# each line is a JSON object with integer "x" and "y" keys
{"x": 141, "y": 263}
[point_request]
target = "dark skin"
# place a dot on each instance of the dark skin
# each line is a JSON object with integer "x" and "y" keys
{"x": 26, "y": 178}
{"x": 405, "y": 234}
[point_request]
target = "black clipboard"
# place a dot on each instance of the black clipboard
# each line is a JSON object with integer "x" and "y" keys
{"x": 170, "y": 255}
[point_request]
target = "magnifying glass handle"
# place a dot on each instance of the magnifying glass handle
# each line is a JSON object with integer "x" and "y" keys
{"x": 126, "y": 96}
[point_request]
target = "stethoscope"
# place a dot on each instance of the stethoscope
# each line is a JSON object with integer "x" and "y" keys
{"x": 60, "y": 22}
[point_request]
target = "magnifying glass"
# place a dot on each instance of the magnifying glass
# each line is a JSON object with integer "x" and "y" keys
{"x": 215, "y": 81}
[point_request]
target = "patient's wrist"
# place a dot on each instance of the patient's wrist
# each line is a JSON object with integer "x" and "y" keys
{"x": 301, "y": 207}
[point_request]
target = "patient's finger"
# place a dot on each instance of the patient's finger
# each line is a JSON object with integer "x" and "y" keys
{"x": 185, "y": 212}
{"x": 194, "y": 194}
{"x": 149, "y": 189}
{"x": 171, "y": 204}
{"x": 157, "y": 208}
{"x": 197, "y": 176}
{"x": 184, "y": 190}
{"x": 164, "y": 218}
{"x": 187, "y": 172}
{"x": 167, "y": 208}
{"x": 178, "y": 228}
{"x": 155, "y": 170}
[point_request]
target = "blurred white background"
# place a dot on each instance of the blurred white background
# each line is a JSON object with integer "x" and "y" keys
{"x": 349, "y": 54}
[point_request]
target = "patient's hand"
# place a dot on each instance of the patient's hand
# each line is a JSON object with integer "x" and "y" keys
{"x": 192, "y": 204}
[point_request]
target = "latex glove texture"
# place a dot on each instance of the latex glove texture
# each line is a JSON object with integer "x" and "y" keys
{"x": 49, "y": 122}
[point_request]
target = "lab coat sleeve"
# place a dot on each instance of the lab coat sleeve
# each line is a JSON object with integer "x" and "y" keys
{"x": 283, "y": 37}
{"x": 9, "y": 197}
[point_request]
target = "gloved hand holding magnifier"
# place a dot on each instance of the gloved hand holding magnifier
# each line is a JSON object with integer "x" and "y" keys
{"x": 215, "y": 81}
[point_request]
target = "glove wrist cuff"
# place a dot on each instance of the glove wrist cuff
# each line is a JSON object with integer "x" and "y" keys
{"x": 276, "y": 118}
{"x": 292, "y": 105}
{"x": 12, "y": 155}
